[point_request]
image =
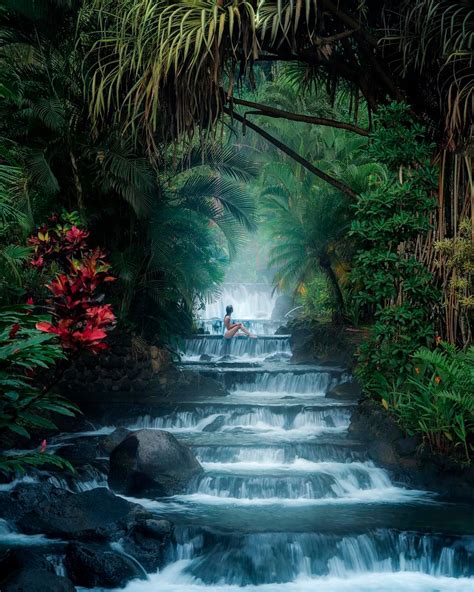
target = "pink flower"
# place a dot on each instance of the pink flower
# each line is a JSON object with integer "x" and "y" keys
{"x": 43, "y": 446}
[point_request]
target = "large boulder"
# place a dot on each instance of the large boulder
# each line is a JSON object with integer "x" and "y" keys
{"x": 95, "y": 567}
{"x": 152, "y": 462}
{"x": 114, "y": 439}
{"x": 96, "y": 514}
{"x": 36, "y": 580}
{"x": 147, "y": 542}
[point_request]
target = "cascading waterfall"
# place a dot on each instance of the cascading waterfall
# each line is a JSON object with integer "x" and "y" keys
{"x": 313, "y": 383}
{"x": 240, "y": 346}
{"x": 288, "y": 502}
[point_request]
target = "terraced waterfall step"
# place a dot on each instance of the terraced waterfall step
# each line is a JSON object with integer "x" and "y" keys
{"x": 288, "y": 502}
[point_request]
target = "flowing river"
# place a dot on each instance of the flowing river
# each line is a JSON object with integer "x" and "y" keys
{"x": 288, "y": 501}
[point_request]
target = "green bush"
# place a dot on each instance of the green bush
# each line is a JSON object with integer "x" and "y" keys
{"x": 437, "y": 399}
{"x": 317, "y": 299}
{"x": 388, "y": 278}
{"x": 25, "y": 404}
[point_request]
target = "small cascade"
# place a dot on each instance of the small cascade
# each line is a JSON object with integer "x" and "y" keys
{"x": 57, "y": 561}
{"x": 260, "y": 327}
{"x": 314, "y": 481}
{"x": 288, "y": 454}
{"x": 10, "y": 537}
{"x": 240, "y": 346}
{"x": 259, "y": 559}
{"x": 291, "y": 383}
{"x": 216, "y": 418}
{"x": 89, "y": 478}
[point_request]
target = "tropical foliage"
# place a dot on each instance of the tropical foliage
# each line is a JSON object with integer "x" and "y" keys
{"x": 170, "y": 130}
{"x": 437, "y": 402}
{"x": 388, "y": 276}
{"x": 24, "y": 403}
{"x": 80, "y": 319}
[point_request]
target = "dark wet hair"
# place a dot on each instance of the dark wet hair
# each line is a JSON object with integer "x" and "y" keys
{"x": 229, "y": 309}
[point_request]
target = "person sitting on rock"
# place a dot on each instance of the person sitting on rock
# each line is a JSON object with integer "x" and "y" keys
{"x": 232, "y": 328}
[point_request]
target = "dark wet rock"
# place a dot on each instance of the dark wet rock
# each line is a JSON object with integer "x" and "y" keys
{"x": 147, "y": 542}
{"x": 205, "y": 358}
{"x": 155, "y": 527}
{"x": 152, "y": 462}
{"x": 160, "y": 359}
{"x": 36, "y": 580}
{"x": 185, "y": 383}
{"x": 12, "y": 560}
{"x": 408, "y": 446}
{"x": 302, "y": 342}
{"x": 406, "y": 457}
{"x": 114, "y": 439}
{"x": 83, "y": 449}
{"x": 91, "y": 567}
{"x": 96, "y": 514}
{"x": 345, "y": 390}
{"x": 215, "y": 425}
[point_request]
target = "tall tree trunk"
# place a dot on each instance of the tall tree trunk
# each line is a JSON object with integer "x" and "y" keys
{"x": 78, "y": 185}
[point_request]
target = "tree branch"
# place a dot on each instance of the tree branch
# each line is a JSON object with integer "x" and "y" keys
{"x": 349, "y": 21}
{"x": 281, "y": 114}
{"x": 339, "y": 185}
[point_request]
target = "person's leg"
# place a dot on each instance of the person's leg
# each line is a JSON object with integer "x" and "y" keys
{"x": 246, "y": 331}
{"x": 231, "y": 332}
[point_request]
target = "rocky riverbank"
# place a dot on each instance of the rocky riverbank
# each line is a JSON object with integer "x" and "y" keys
{"x": 407, "y": 459}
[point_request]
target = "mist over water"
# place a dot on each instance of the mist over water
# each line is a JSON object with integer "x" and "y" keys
{"x": 250, "y": 302}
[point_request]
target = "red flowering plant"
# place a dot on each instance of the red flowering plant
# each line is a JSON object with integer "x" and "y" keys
{"x": 79, "y": 318}
{"x": 58, "y": 241}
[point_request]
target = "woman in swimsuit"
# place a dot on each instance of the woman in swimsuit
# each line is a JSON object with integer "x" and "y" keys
{"x": 232, "y": 328}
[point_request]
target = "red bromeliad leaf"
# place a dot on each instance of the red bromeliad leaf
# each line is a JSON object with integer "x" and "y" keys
{"x": 46, "y": 327}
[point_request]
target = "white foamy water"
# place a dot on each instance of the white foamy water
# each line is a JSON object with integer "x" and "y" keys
{"x": 387, "y": 495}
{"x": 298, "y": 465}
{"x": 9, "y": 537}
{"x": 289, "y": 383}
{"x": 241, "y": 347}
{"x": 175, "y": 578}
{"x": 266, "y": 458}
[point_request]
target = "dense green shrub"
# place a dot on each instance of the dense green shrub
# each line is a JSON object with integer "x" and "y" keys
{"x": 24, "y": 404}
{"x": 388, "y": 277}
{"x": 437, "y": 399}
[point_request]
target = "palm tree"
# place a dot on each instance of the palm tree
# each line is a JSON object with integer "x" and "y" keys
{"x": 305, "y": 225}
{"x": 307, "y": 219}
